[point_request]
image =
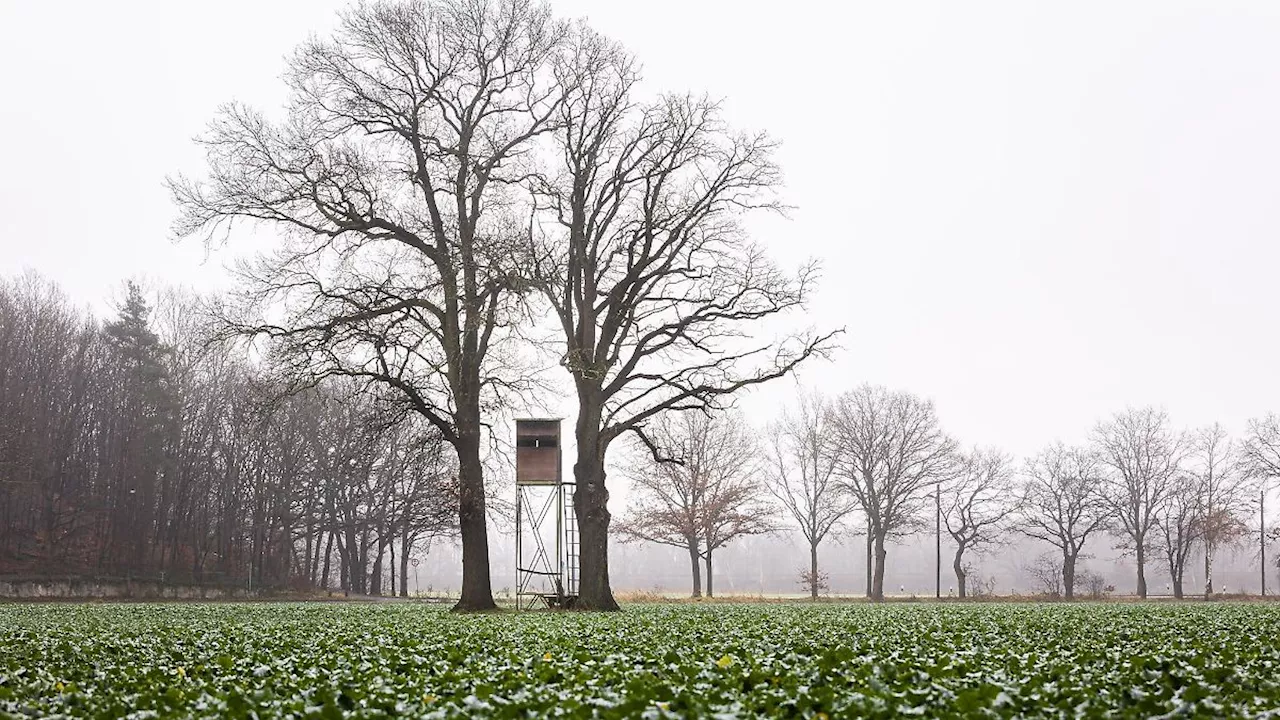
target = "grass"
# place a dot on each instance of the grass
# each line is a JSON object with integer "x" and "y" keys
{"x": 327, "y": 660}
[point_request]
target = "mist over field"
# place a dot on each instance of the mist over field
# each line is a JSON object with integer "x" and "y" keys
{"x": 772, "y": 565}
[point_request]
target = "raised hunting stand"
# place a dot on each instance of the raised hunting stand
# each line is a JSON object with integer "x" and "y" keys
{"x": 546, "y": 527}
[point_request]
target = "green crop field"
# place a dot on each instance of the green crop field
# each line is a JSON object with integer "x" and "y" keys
{"x": 343, "y": 660}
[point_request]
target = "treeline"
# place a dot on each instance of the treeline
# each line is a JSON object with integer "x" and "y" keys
{"x": 142, "y": 447}
{"x": 877, "y": 463}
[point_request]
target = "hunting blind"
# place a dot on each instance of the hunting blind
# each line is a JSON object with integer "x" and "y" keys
{"x": 546, "y": 527}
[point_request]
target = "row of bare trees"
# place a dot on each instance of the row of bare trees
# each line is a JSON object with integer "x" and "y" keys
{"x": 876, "y": 462}
{"x": 138, "y": 447}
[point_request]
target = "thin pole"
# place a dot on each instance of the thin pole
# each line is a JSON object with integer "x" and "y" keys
{"x": 519, "y": 533}
{"x": 937, "y": 538}
{"x": 560, "y": 546}
{"x": 868, "y": 556}
{"x": 1262, "y": 534}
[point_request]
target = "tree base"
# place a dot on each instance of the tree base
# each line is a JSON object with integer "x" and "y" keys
{"x": 463, "y": 606}
{"x": 586, "y": 605}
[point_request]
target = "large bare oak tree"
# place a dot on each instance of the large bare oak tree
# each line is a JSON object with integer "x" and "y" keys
{"x": 661, "y": 298}
{"x": 391, "y": 178}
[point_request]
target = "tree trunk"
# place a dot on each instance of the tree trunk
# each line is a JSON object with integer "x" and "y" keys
{"x": 1208, "y": 570}
{"x": 1069, "y": 575}
{"x": 375, "y": 575}
{"x": 355, "y": 562}
{"x": 813, "y": 571}
{"x": 590, "y": 505}
{"x": 477, "y": 590}
{"x": 1142, "y": 575}
{"x": 1177, "y": 579}
{"x": 877, "y": 585}
{"x": 391, "y": 574}
{"x": 344, "y": 575}
{"x": 405, "y": 546}
{"x": 957, "y": 564}
{"x": 697, "y": 569}
{"x": 869, "y": 563}
{"x": 328, "y": 553}
{"x": 708, "y": 559}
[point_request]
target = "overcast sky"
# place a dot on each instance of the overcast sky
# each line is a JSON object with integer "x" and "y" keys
{"x": 1033, "y": 213}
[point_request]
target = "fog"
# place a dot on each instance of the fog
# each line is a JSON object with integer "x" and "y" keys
{"x": 772, "y": 565}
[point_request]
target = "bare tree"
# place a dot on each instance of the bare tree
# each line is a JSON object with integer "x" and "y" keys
{"x": 1178, "y": 526}
{"x": 890, "y": 451}
{"x": 1223, "y": 493}
{"x": 707, "y": 494}
{"x": 394, "y": 178}
{"x": 1262, "y": 462}
{"x": 659, "y": 294}
{"x": 1142, "y": 455}
{"x": 1062, "y": 504}
{"x": 801, "y": 475}
{"x": 978, "y": 503}
{"x": 1046, "y": 575}
{"x": 1262, "y": 448}
{"x": 427, "y": 487}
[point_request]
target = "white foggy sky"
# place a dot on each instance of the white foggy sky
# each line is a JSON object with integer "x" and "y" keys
{"x": 1034, "y": 213}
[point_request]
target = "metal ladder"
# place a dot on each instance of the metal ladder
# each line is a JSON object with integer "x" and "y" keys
{"x": 571, "y": 542}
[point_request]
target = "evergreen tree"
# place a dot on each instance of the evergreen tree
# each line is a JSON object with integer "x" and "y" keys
{"x": 141, "y": 429}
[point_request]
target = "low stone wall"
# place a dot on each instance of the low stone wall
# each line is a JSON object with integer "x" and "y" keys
{"x": 87, "y": 588}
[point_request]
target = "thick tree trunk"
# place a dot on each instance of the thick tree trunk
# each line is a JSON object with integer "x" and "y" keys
{"x": 590, "y": 505}
{"x": 1142, "y": 575}
{"x": 696, "y": 567}
{"x": 1176, "y": 576}
{"x": 374, "y": 584}
{"x": 1069, "y": 575}
{"x": 344, "y": 577}
{"x": 355, "y": 562}
{"x": 708, "y": 561}
{"x": 813, "y": 571}
{"x": 877, "y": 585}
{"x": 405, "y": 547}
{"x": 477, "y": 590}
{"x": 957, "y": 564}
{"x": 328, "y": 553}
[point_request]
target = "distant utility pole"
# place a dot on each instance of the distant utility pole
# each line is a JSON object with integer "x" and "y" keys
{"x": 937, "y": 539}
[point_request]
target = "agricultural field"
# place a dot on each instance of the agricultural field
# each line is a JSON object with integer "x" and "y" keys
{"x": 652, "y": 661}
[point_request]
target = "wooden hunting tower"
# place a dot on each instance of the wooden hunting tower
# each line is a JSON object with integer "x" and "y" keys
{"x": 546, "y": 527}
